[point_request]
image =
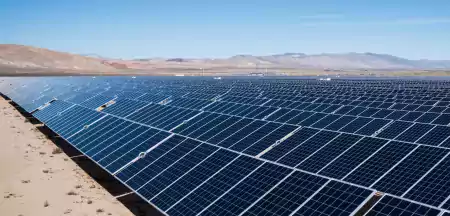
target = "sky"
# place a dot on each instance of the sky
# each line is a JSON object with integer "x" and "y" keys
{"x": 216, "y": 29}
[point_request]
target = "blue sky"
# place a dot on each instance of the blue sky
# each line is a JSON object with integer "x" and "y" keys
{"x": 201, "y": 28}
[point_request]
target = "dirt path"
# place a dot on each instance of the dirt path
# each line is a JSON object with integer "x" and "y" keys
{"x": 37, "y": 179}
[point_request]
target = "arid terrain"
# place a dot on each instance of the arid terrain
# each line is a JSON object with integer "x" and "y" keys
{"x": 36, "y": 178}
{"x": 17, "y": 60}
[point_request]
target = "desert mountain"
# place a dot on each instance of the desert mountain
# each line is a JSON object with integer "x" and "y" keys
{"x": 19, "y": 56}
{"x": 300, "y": 60}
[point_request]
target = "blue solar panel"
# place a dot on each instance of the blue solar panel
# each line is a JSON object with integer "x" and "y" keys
{"x": 350, "y": 159}
{"x": 388, "y": 135}
{"x": 434, "y": 188}
{"x": 181, "y": 187}
{"x": 378, "y": 164}
{"x": 288, "y": 195}
{"x": 213, "y": 188}
{"x": 411, "y": 169}
{"x": 391, "y": 206}
{"x": 301, "y": 152}
{"x": 241, "y": 196}
{"x": 329, "y": 152}
{"x": 336, "y": 198}
{"x": 150, "y": 157}
{"x": 287, "y": 145}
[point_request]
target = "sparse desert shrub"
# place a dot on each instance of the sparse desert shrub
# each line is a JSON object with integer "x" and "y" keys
{"x": 100, "y": 210}
{"x": 72, "y": 193}
{"x": 46, "y": 204}
{"x": 57, "y": 151}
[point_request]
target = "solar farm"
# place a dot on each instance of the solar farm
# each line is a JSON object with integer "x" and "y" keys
{"x": 257, "y": 146}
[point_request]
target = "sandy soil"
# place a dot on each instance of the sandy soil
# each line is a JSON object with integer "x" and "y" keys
{"x": 35, "y": 179}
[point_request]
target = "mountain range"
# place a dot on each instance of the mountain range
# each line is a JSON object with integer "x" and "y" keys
{"x": 19, "y": 56}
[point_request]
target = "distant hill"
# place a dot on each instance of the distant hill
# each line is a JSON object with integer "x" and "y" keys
{"x": 19, "y": 56}
{"x": 340, "y": 61}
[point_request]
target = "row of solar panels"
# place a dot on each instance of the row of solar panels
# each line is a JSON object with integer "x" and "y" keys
{"x": 242, "y": 132}
{"x": 232, "y": 134}
{"x": 178, "y": 174}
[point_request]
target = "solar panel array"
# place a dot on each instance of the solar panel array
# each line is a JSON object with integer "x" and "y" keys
{"x": 196, "y": 146}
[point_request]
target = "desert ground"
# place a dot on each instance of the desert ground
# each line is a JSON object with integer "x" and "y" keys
{"x": 36, "y": 178}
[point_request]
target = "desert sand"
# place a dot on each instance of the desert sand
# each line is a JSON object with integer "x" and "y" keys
{"x": 38, "y": 180}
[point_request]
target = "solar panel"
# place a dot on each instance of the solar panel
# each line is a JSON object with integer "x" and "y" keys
{"x": 378, "y": 164}
{"x": 289, "y": 144}
{"x": 257, "y": 146}
{"x": 327, "y": 153}
{"x": 394, "y": 129}
{"x": 284, "y": 198}
{"x": 336, "y": 198}
{"x": 269, "y": 139}
{"x": 151, "y": 156}
{"x": 254, "y": 136}
{"x": 193, "y": 178}
{"x": 205, "y": 194}
{"x": 153, "y": 167}
{"x": 301, "y": 152}
{"x": 389, "y": 205}
{"x": 414, "y": 132}
{"x": 355, "y": 125}
{"x": 351, "y": 158}
{"x": 163, "y": 179}
{"x": 411, "y": 169}
{"x": 340, "y": 123}
{"x": 434, "y": 187}
{"x": 435, "y": 136}
{"x": 242, "y": 133}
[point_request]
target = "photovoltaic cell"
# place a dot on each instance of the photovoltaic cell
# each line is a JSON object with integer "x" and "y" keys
{"x": 248, "y": 191}
{"x": 269, "y": 139}
{"x": 355, "y": 125}
{"x": 288, "y": 195}
{"x": 287, "y": 145}
{"x": 412, "y": 168}
{"x": 372, "y": 127}
{"x": 373, "y": 168}
{"x": 217, "y": 185}
{"x": 301, "y": 152}
{"x": 325, "y": 155}
{"x": 394, "y": 129}
{"x": 336, "y": 198}
{"x": 254, "y": 136}
{"x": 350, "y": 159}
{"x": 175, "y": 171}
{"x": 149, "y": 157}
{"x": 341, "y": 122}
{"x": 434, "y": 188}
{"x": 222, "y": 135}
{"x": 436, "y": 136}
{"x": 414, "y": 132}
{"x": 392, "y": 206}
{"x": 181, "y": 187}
{"x": 150, "y": 170}
{"x": 242, "y": 133}
{"x": 132, "y": 150}
{"x": 326, "y": 121}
